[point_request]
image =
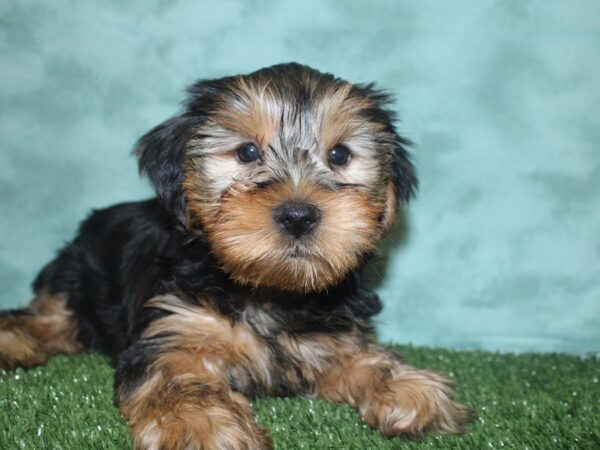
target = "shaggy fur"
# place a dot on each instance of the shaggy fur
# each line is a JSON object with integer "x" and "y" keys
{"x": 202, "y": 299}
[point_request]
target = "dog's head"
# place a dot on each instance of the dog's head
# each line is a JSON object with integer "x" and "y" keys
{"x": 293, "y": 175}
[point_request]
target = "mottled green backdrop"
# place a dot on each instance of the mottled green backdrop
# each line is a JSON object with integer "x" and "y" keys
{"x": 502, "y": 247}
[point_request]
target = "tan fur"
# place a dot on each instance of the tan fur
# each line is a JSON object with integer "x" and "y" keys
{"x": 29, "y": 340}
{"x": 253, "y": 110}
{"x": 186, "y": 402}
{"x": 318, "y": 353}
{"x": 253, "y": 113}
{"x": 390, "y": 212}
{"x": 338, "y": 115}
{"x": 390, "y": 395}
{"x": 176, "y": 409}
{"x": 219, "y": 345}
{"x": 251, "y": 247}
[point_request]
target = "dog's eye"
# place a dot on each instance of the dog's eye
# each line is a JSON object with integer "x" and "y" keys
{"x": 248, "y": 153}
{"x": 339, "y": 155}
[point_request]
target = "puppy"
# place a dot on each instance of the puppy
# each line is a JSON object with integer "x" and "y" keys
{"x": 243, "y": 277}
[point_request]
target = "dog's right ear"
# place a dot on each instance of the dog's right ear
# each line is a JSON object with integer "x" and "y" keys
{"x": 161, "y": 156}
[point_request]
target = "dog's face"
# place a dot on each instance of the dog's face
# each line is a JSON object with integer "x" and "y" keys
{"x": 294, "y": 176}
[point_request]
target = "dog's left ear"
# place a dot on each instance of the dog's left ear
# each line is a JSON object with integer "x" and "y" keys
{"x": 402, "y": 182}
{"x": 161, "y": 155}
{"x": 401, "y": 186}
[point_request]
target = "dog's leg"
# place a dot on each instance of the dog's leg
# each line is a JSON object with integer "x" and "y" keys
{"x": 174, "y": 386}
{"x": 389, "y": 394}
{"x": 30, "y": 336}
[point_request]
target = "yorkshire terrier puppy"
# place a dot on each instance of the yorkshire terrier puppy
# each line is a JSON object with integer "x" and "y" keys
{"x": 243, "y": 277}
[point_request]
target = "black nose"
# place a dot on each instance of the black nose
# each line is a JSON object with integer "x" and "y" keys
{"x": 296, "y": 218}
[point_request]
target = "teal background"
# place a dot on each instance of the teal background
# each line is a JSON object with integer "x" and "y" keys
{"x": 502, "y": 248}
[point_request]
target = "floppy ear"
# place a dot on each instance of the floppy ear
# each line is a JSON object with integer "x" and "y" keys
{"x": 401, "y": 186}
{"x": 402, "y": 177}
{"x": 161, "y": 156}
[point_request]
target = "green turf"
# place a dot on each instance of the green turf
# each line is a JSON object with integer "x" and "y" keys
{"x": 523, "y": 401}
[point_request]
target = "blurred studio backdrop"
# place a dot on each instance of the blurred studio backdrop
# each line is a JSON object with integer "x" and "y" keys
{"x": 502, "y": 246}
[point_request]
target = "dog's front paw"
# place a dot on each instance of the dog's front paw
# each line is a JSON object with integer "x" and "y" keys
{"x": 218, "y": 427}
{"x": 413, "y": 402}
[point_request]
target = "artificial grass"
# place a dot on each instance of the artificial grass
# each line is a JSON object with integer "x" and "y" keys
{"x": 535, "y": 401}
